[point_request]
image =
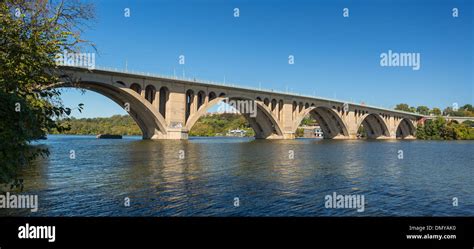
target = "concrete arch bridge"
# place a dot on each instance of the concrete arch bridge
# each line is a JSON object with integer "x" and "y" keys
{"x": 167, "y": 108}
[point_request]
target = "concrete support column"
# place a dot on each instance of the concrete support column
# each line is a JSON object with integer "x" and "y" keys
{"x": 287, "y": 119}
{"x": 393, "y": 126}
{"x": 275, "y": 111}
{"x": 293, "y": 112}
{"x": 156, "y": 101}
{"x": 352, "y": 120}
{"x": 280, "y": 113}
{"x": 175, "y": 115}
{"x": 194, "y": 104}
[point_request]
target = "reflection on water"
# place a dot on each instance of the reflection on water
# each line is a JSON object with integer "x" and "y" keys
{"x": 263, "y": 174}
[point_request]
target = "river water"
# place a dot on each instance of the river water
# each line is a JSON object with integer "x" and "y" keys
{"x": 247, "y": 177}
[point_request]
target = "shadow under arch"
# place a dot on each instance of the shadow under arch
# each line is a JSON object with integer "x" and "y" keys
{"x": 263, "y": 123}
{"x": 405, "y": 129}
{"x": 374, "y": 125}
{"x": 149, "y": 121}
{"x": 331, "y": 124}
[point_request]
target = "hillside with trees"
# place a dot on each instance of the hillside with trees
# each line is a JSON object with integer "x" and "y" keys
{"x": 117, "y": 125}
{"x": 220, "y": 124}
{"x": 206, "y": 126}
{"x": 439, "y": 128}
{"x": 466, "y": 110}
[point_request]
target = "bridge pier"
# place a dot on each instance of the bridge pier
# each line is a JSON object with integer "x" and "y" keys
{"x": 171, "y": 134}
{"x": 289, "y": 135}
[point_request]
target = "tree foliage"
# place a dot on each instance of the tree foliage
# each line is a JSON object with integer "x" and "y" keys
{"x": 308, "y": 120}
{"x": 439, "y": 129}
{"x": 463, "y": 111}
{"x": 403, "y": 107}
{"x": 299, "y": 132}
{"x": 32, "y": 33}
{"x": 435, "y": 111}
{"x": 206, "y": 126}
{"x": 423, "y": 110}
{"x": 220, "y": 124}
{"x": 117, "y": 125}
{"x": 466, "y": 110}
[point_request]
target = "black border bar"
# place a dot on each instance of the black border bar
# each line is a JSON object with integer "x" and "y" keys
{"x": 238, "y": 232}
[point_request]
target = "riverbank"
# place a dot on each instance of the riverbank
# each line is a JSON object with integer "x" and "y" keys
{"x": 219, "y": 125}
{"x": 207, "y": 126}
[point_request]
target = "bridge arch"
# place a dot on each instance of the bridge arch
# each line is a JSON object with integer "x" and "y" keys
{"x": 280, "y": 110}
{"x": 374, "y": 126}
{"x": 189, "y": 101}
{"x": 163, "y": 101}
{"x": 405, "y": 129}
{"x": 136, "y": 87}
{"x": 212, "y": 95}
{"x": 453, "y": 121}
{"x": 330, "y": 122}
{"x": 273, "y": 105}
{"x": 150, "y": 122}
{"x": 201, "y": 98}
{"x": 264, "y": 123}
{"x": 266, "y": 101}
{"x": 467, "y": 122}
{"x": 150, "y": 93}
{"x": 294, "y": 107}
{"x": 301, "y": 107}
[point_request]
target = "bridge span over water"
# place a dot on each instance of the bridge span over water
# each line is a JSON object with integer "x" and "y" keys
{"x": 167, "y": 108}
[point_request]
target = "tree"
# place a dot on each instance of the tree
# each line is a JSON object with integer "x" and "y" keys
{"x": 467, "y": 107}
{"x": 308, "y": 121}
{"x": 420, "y": 131}
{"x": 361, "y": 132}
{"x": 299, "y": 132}
{"x": 32, "y": 33}
{"x": 433, "y": 129}
{"x": 435, "y": 111}
{"x": 117, "y": 124}
{"x": 440, "y": 129}
{"x": 220, "y": 124}
{"x": 469, "y": 123}
{"x": 464, "y": 111}
{"x": 402, "y": 107}
{"x": 423, "y": 110}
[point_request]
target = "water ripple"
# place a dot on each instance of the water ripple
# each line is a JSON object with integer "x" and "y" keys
{"x": 260, "y": 173}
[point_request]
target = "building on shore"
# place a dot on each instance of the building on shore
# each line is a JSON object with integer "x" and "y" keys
{"x": 236, "y": 133}
{"x": 312, "y": 131}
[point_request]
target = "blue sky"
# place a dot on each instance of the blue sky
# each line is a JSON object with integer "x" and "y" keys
{"x": 335, "y": 57}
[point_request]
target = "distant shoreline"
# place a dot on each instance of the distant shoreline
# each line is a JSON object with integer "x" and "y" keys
{"x": 220, "y": 125}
